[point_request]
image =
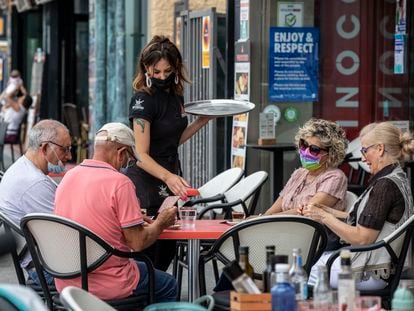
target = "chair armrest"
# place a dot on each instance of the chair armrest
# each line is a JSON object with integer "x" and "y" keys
{"x": 225, "y": 206}
{"x": 353, "y": 249}
{"x": 150, "y": 268}
{"x": 218, "y": 197}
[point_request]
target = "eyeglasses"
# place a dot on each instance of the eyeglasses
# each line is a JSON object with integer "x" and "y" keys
{"x": 67, "y": 149}
{"x": 313, "y": 149}
{"x": 364, "y": 150}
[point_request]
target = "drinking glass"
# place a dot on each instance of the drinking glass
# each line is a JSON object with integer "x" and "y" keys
{"x": 188, "y": 217}
{"x": 237, "y": 216}
{"x": 368, "y": 303}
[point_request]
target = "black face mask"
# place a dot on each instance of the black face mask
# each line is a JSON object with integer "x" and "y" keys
{"x": 163, "y": 84}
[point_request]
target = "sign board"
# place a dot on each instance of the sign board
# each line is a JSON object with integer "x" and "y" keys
{"x": 290, "y": 14}
{"x": 293, "y": 64}
{"x": 205, "y": 33}
{"x": 239, "y": 140}
{"x": 242, "y": 70}
{"x": 244, "y": 19}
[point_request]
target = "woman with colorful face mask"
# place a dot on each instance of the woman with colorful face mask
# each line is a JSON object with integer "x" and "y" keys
{"x": 160, "y": 126}
{"x": 322, "y": 147}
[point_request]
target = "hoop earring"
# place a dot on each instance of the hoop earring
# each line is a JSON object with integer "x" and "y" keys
{"x": 176, "y": 79}
{"x": 148, "y": 80}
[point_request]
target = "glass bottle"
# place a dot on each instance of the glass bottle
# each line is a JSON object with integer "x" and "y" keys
{"x": 346, "y": 283}
{"x": 241, "y": 281}
{"x": 283, "y": 293}
{"x": 275, "y": 260}
{"x": 244, "y": 261}
{"x": 298, "y": 276}
{"x": 270, "y": 251}
{"x": 403, "y": 299}
{"x": 322, "y": 294}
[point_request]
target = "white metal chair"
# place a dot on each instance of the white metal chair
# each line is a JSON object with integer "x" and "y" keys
{"x": 19, "y": 253}
{"x": 66, "y": 249}
{"x": 350, "y": 199}
{"x": 216, "y": 186}
{"x": 283, "y": 231}
{"x": 242, "y": 197}
{"x": 77, "y": 299}
{"x": 3, "y": 129}
{"x": 15, "y": 297}
{"x": 396, "y": 245}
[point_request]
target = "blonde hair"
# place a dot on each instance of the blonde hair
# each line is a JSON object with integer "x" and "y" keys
{"x": 398, "y": 145}
{"x": 331, "y": 135}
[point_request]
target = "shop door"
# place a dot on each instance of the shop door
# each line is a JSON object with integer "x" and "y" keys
{"x": 201, "y": 157}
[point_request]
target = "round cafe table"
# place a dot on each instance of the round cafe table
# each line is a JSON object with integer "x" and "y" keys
{"x": 203, "y": 230}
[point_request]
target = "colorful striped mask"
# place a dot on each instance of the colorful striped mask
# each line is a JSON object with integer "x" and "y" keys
{"x": 309, "y": 161}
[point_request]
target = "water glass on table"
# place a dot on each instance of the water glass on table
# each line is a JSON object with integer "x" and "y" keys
{"x": 368, "y": 303}
{"x": 188, "y": 216}
{"x": 237, "y": 216}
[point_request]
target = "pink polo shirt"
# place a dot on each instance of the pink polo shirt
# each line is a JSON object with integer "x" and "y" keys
{"x": 100, "y": 198}
{"x": 333, "y": 182}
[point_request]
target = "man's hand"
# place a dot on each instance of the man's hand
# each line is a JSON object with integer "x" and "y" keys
{"x": 148, "y": 219}
{"x": 167, "y": 217}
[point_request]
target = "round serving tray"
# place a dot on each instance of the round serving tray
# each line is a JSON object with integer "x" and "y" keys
{"x": 218, "y": 107}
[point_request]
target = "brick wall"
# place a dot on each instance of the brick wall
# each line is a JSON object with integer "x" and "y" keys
{"x": 161, "y": 14}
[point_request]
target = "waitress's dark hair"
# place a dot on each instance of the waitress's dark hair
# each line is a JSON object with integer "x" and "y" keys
{"x": 160, "y": 47}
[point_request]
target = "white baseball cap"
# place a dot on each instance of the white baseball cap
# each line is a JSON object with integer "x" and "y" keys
{"x": 120, "y": 133}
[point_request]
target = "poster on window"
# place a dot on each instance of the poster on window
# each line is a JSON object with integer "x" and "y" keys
{"x": 205, "y": 61}
{"x": 239, "y": 140}
{"x": 293, "y": 64}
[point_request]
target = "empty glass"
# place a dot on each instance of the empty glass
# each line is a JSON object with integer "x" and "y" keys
{"x": 368, "y": 303}
{"x": 188, "y": 217}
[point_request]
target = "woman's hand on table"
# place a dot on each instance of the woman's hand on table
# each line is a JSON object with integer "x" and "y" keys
{"x": 314, "y": 212}
{"x": 177, "y": 185}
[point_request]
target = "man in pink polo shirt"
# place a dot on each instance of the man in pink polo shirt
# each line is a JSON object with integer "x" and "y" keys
{"x": 96, "y": 195}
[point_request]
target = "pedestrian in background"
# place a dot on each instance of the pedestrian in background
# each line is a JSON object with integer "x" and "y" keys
{"x": 160, "y": 126}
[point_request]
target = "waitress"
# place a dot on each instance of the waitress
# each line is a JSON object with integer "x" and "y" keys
{"x": 160, "y": 126}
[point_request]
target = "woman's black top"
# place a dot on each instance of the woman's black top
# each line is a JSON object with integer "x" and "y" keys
{"x": 165, "y": 113}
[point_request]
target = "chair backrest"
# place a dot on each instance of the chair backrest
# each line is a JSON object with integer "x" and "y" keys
{"x": 285, "y": 232}
{"x": 3, "y": 129}
{"x": 20, "y": 251}
{"x": 66, "y": 249}
{"x": 400, "y": 241}
{"x": 77, "y": 299}
{"x": 221, "y": 183}
{"x": 350, "y": 199}
{"x": 71, "y": 249}
{"x": 21, "y": 298}
{"x": 245, "y": 189}
{"x": 352, "y": 147}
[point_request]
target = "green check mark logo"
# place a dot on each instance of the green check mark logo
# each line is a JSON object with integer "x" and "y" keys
{"x": 290, "y": 19}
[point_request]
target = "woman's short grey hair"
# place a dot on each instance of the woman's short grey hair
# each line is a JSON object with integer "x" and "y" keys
{"x": 331, "y": 135}
{"x": 45, "y": 130}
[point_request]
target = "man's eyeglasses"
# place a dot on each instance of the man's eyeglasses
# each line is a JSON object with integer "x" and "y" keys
{"x": 313, "y": 149}
{"x": 364, "y": 150}
{"x": 67, "y": 149}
